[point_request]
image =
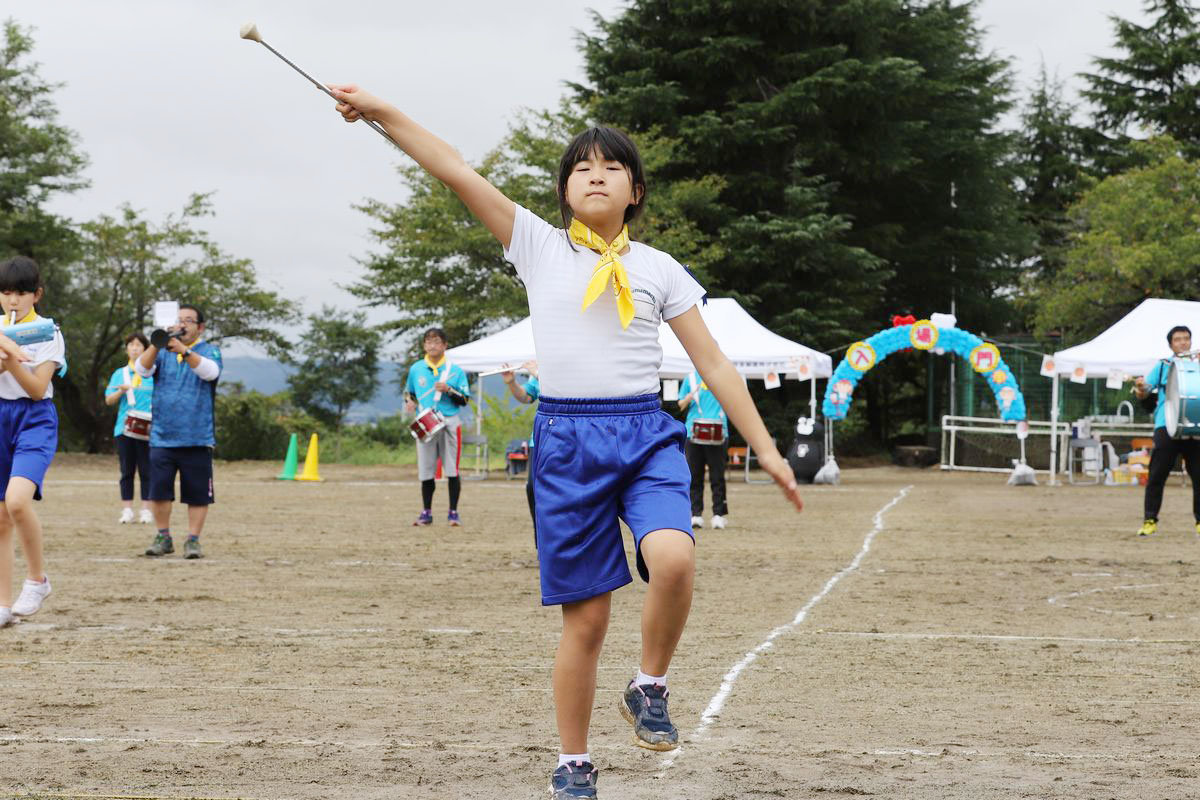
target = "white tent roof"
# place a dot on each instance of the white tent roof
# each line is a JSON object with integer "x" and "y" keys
{"x": 753, "y": 349}
{"x": 1134, "y": 342}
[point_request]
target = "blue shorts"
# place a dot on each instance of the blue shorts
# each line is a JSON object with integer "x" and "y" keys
{"x": 194, "y": 465}
{"x": 28, "y": 439}
{"x": 597, "y": 461}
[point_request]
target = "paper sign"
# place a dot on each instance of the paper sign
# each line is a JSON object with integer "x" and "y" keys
{"x": 670, "y": 390}
{"x": 771, "y": 380}
{"x": 1116, "y": 379}
{"x": 1079, "y": 374}
{"x": 166, "y": 313}
{"x": 1048, "y": 367}
{"x": 802, "y": 366}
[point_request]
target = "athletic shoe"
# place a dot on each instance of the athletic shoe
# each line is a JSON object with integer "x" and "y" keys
{"x": 146, "y": 517}
{"x": 1149, "y": 528}
{"x": 6, "y": 617}
{"x": 161, "y": 546}
{"x": 645, "y": 708}
{"x": 425, "y": 518}
{"x": 33, "y": 593}
{"x": 191, "y": 548}
{"x": 126, "y": 516}
{"x": 718, "y": 522}
{"x": 697, "y": 522}
{"x": 453, "y": 519}
{"x": 573, "y": 781}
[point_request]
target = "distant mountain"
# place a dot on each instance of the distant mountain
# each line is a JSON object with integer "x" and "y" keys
{"x": 269, "y": 376}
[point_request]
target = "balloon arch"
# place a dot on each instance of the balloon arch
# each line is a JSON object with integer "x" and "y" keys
{"x": 923, "y": 334}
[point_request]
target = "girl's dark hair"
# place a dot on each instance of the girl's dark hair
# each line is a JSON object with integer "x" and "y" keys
{"x": 614, "y": 145}
{"x": 20, "y": 274}
{"x": 139, "y": 336}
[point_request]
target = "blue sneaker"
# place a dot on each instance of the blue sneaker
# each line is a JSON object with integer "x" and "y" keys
{"x": 425, "y": 518}
{"x": 645, "y": 708}
{"x": 453, "y": 519}
{"x": 573, "y": 781}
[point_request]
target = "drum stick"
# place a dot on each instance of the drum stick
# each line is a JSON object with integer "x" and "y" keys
{"x": 506, "y": 368}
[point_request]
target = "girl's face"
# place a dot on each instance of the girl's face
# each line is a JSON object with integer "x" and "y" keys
{"x": 599, "y": 191}
{"x": 134, "y": 349}
{"x": 21, "y": 302}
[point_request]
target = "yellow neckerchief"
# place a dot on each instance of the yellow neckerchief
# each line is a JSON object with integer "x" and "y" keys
{"x": 189, "y": 346}
{"x": 30, "y": 317}
{"x": 435, "y": 367}
{"x": 135, "y": 380}
{"x": 608, "y": 265}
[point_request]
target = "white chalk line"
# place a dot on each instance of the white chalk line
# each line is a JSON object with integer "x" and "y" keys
{"x": 257, "y": 741}
{"x": 1004, "y": 637}
{"x": 718, "y": 701}
{"x": 948, "y": 752}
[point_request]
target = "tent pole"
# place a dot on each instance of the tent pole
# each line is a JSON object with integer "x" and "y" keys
{"x": 1053, "y": 429}
{"x": 812, "y": 397}
{"x": 479, "y": 407}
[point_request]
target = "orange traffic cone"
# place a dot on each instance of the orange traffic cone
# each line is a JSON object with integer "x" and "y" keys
{"x": 310, "y": 462}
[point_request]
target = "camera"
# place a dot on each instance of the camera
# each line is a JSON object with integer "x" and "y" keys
{"x": 159, "y": 338}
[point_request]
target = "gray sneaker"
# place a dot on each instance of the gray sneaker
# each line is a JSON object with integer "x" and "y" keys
{"x": 161, "y": 546}
{"x": 191, "y": 548}
{"x": 645, "y": 708}
{"x": 574, "y": 781}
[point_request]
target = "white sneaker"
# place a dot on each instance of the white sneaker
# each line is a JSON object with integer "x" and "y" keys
{"x": 697, "y": 522}
{"x": 126, "y": 516}
{"x": 33, "y": 593}
{"x": 6, "y": 617}
{"x": 718, "y": 522}
{"x": 146, "y": 517}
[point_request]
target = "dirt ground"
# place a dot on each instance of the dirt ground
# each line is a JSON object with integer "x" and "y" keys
{"x": 992, "y": 642}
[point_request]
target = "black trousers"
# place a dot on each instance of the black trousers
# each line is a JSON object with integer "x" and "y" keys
{"x": 713, "y": 456}
{"x": 1162, "y": 461}
{"x": 134, "y": 456}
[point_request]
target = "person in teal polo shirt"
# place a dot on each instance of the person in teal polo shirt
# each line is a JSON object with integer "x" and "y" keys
{"x": 133, "y": 455}
{"x": 433, "y": 382}
{"x": 183, "y": 435}
{"x": 700, "y": 403}
{"x": 1167, "y": 449}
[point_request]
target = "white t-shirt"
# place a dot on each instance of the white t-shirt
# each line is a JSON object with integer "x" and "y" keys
{"x": 588, "y": 353}
{"x": 55, "y": 350}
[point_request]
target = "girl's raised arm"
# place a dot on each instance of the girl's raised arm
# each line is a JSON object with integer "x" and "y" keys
{"x": 438, "y": 158}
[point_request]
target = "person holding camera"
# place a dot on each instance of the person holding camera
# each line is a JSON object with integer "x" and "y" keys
{"x": 185, "y": 370}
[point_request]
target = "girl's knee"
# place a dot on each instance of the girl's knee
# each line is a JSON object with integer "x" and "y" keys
{"x": 672, "y": 567}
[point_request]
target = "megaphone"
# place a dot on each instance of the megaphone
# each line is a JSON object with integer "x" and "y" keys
{"x": 159, "y": 337}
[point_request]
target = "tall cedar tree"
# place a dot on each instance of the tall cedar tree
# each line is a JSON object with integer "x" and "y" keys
{"x": 1154, "y": 84}
{"x": 839, "y": 128}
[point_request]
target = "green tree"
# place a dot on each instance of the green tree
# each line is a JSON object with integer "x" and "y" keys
{"x": 1052, "y": 172}
{"x": 38, "y": 156}
{"x": 1139, "y": 237}
{"x": 337, "y": 366}
{"x": 124, "y": 265}
{"x": 1154, "y": 83}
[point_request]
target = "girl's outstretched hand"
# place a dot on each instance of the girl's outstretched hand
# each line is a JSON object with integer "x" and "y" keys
{"x": 355, "y": 103}
{"x": 785, "y": 479}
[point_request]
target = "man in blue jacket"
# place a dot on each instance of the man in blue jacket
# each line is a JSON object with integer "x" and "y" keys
{"x": 183, "y": 434}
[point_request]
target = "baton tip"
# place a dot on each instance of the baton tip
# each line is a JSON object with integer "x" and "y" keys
{"x": 250, "y": 31}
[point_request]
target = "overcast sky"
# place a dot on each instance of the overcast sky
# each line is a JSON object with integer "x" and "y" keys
{"x": 167, "y": 100}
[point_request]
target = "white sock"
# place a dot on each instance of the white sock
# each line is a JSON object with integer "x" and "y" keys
{"x": 569, "y": 758}
{"x": 643, "y": 679}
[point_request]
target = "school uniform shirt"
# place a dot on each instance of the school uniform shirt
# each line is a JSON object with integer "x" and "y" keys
{"x": 1157, "y": 379}
{"x": 143, "y": 391}
{"x": 183, "y": 401}
{"x": 422, "y": 377}
{"x": 704, "y": 405}
{"x": 54, "y": 350}
{"x": 587, "y": 353}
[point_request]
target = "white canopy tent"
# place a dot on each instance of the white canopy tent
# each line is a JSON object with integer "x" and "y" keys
{"x": 1130, "y": 346}
{"x": 753, "y": 349}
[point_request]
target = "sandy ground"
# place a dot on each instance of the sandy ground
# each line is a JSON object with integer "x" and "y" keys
{"x": 971, "y": 641}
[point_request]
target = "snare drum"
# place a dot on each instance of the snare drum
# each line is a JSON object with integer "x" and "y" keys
{"x": 707, "y": 431}
{"x": 1183, "y": 402}
{"x": 137, "y": 425}
{"x": 428, "y": 422}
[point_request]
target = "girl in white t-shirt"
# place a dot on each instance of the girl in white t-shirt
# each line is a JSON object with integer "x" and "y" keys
{"x": 28, "y": 434}
{"x": 605, "y": 449}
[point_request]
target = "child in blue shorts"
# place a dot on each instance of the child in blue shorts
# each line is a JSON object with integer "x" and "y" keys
{"x": 28, "y": 434}
{"x": 606, "y": 451}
